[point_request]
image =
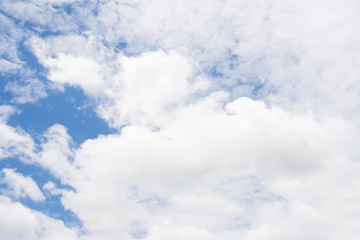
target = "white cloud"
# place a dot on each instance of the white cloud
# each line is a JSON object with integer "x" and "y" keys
{"x": 199, "y": 143}
{"x": 14, "y": 141}
{"x": 130, "y": 90}
{"x": 167, "y": 230}
{"x": 178, "y": 168}
{"x": 213, "y": 211}
{"x": 23, "y": 223}
{"x": 179, "y": 173}
{"x": 19, "y": 186}
{"x": 9, "y": 38}
{"x": 253, "y": 43}
{"x": 41, "y": 15}
{"x": 52, "y": 189}
{"x": 6, "y": 111}
{"x": 56, "y": 153}
{"x": 7, "y": 66}
{"x": 30, "y": 91}
{"x": 181, "y": 166}
{"x": 76, "y": 71}
{"x": 55, "y": 1}
{"x": 149, "y": 86}
{"x": 298, "y": 52}
{"x": 169, "y": 183}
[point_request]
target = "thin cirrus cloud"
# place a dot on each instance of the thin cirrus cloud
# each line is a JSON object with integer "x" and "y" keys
{"x": 231, "y": 120}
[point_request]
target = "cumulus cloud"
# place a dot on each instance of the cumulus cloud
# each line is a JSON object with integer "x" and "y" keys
{"x": 142, "y": 183}
{"x": 131, "y": 90}
{"x": 151, "y": 85}
{"x": 236, "y": 119}
{"x": 172, "y": 175}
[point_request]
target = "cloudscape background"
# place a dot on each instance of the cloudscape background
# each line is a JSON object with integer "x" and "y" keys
{"x": 169, "y": 119}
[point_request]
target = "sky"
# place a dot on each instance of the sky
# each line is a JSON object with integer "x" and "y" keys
{"x": 169, "y": 119}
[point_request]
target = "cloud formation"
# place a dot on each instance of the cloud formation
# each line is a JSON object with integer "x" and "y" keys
{"x": 13, "y": 141}
{"x": 20, "y": 186}
{"x": 233, "y": 119}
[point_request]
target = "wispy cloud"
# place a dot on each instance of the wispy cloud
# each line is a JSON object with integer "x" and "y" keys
{"x": 19, "y": 186}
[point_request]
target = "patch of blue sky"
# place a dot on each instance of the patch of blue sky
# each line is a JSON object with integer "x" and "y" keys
{"x": 215, "y": 72}
{"x": 79, "y": 12}
{"x": 120, "y": 46}
{"x": 229, "y": 76}
{"x": 257, "y": 88}
{"x": 5, "y": 97}
{"x": 70, "y": 7}
{"x": 233, "y": 61}
{"x": 229, "y": 63}
{"x": 30, "y": 69}
{"x": 228, "y": 71}
{"x": 26, "y": 27}
{"x": 71, "y": 109}
{"x": 31, "y": 61}
{"x": 67, "y": 8}
{"x": 52, "y": 206}
{"x": 40, "y": 175}
{"x": 36, "y": 118}
{"x": 45, "y": 31}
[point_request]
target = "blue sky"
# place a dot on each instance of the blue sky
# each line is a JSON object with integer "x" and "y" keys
{"x": 234, "y": 119}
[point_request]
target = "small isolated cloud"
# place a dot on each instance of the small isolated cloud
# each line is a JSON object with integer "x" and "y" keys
{"x": 51, "y": 188}
{"x": 19, "y": 186}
